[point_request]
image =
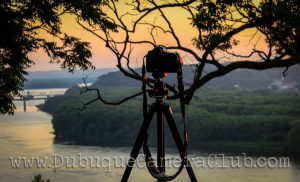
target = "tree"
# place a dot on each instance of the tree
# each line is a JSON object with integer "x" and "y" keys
{"x": 38, "y": 178}
{"x": 215, "y": 30}
{"x": 22, "y": 21}
{"x": 293, "y": 140}
{"x": 216, "y": 27}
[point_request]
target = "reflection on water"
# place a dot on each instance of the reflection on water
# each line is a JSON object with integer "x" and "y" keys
{"x": 29, "y": 135}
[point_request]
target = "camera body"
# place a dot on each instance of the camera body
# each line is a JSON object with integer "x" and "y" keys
{"x": 159, "y": 60}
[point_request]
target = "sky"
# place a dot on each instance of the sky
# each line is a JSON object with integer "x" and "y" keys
{"x": 103, "y": 58}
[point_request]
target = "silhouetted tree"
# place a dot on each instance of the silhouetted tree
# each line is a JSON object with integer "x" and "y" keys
{"x": 38, "y": 178}
{"x": 216, "y": 28}
{"x": 21, "y": 21}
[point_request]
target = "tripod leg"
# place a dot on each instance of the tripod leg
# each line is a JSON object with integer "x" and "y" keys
{"x": 138, "y": 143}
{"x": 178, "y": 141}
{"x": 160, "y": 140}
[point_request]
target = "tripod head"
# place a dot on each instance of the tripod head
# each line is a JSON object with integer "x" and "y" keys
{"x": 159, "y": 90}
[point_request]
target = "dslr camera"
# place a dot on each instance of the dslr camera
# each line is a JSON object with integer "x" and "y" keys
{"x": 160, "y": 61}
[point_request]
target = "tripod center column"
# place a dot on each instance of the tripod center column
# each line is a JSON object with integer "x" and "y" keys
{"x": 160, "y": 138}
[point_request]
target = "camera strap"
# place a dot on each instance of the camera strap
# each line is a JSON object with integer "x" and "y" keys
{"x": 182, "y": 107}
{"x": 154, "y": 171}
{"x": 144, "y": 80}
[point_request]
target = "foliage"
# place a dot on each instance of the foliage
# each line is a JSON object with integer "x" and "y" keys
{"x": 21, "y": 23}
{"x": 38, "y": 178}
{"x": 276, "y": 19}
{"x": 241, "y": 120}
{"x": 215, "y": 27}
{"x": 293, "y": 139}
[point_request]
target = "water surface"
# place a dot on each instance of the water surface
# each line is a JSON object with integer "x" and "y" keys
{"x": 30, "y": 135}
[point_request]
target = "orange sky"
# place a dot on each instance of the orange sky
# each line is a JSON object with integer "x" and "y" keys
{"x": 103, "y": 58}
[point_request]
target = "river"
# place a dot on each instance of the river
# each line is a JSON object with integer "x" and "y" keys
{"x": 29, "y": 136}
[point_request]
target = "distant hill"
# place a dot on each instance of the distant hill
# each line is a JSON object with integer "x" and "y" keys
{"x": 242, "y": 78}
{"x": 109, "y": 77}
{"x": 60, "y": 78}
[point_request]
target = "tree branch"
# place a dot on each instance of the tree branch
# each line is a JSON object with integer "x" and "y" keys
{"x": 100, "y": 98}
{"x": 237, "y": 65}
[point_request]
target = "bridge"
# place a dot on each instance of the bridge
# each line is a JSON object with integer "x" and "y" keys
{"x": 38, "y": 94}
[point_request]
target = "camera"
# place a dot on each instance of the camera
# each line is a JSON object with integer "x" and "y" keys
{"x": 159, "y": 60}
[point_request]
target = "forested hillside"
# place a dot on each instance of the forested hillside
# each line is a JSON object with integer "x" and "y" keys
{"x": 240, "y": 120}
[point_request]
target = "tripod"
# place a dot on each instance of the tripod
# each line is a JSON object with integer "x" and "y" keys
{"x": 162, "y": 109}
